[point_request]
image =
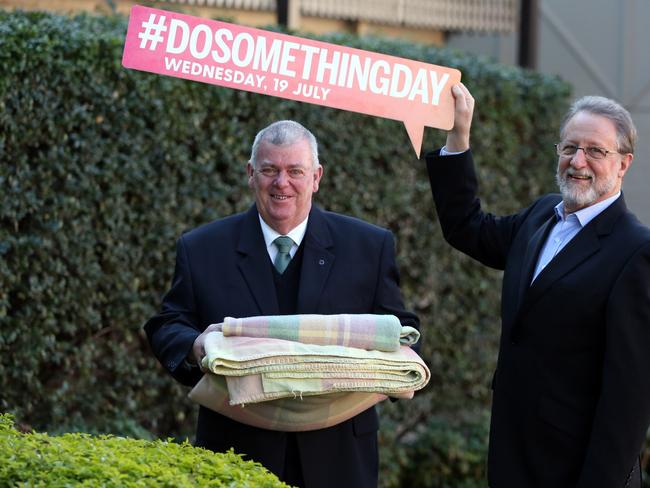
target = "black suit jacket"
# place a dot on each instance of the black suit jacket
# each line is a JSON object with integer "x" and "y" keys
{"x": 571, "y": 400}
{"x": 223, "y": 269}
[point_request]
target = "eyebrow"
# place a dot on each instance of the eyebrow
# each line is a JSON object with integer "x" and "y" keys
{"x": 587, "y": 144}
{"x": 291, "y": 166}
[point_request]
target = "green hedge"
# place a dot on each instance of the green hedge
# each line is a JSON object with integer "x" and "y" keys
{"x": 101, "y": 168}
{"x": 35, "y": 459}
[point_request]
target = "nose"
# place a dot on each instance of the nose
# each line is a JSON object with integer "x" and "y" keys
{"x": 579, "y": 159}
{"x": 282, "y": 179}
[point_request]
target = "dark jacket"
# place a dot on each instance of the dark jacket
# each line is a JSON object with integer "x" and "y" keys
{"x": 571, "y": 400}
{"x": 223, "y": 269}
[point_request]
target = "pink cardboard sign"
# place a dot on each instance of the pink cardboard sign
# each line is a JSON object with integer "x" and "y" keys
{"x": 255, "y": 60}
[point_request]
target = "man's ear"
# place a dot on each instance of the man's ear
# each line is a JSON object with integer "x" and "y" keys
{"x": 251, "y": 173}
{"x": 626, "y": 162}
{"x": 318, "y": 174}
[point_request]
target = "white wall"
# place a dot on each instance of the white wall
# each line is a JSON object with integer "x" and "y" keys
{"x": 602, "y": 47}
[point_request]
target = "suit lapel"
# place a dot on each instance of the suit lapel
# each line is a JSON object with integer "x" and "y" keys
{"x": 584, "y": 245}
{"x": 581, "y": 247}
{"x": 254, "y": 264}
{"x": 529, "y": 262}
{"x": 317, "y": 262}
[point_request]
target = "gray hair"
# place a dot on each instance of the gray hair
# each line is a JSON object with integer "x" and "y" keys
{"x": 614, "y": 111}
{"x": 285, "y": 133}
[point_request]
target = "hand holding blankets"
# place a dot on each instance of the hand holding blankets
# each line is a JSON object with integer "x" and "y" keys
{"x": 363, "y": 331}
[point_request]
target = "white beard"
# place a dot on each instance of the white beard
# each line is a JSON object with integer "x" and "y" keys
{"x": 575, "y": 196}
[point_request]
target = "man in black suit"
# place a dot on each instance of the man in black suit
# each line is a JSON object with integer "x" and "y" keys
{"x": 571, "y": 393}
{"x": 336, "y": 264}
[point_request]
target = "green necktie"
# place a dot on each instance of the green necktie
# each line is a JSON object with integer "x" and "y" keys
{"x": 283, "y": 243}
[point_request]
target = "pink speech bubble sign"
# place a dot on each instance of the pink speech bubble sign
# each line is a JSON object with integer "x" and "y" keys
{"x": 259, "y": 61}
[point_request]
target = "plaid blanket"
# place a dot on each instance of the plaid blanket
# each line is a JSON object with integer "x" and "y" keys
{"x": 363, "y": 331}
{"x": 262, "y": 369}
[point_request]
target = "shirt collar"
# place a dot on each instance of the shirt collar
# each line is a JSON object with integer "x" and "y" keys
{"x": 587, "y": 214}
{"x": 297, "y": 233}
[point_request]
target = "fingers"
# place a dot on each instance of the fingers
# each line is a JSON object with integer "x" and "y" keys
{"x": 464, "y": 106}
{"x": 201, "y": 367}
{"x": 464, "y": 99}
{"x": 458, "y": 137}
{"x": 213, "y": 327}
{"x": 198, "y": 348}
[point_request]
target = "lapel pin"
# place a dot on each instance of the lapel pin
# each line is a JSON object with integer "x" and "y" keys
{"x": 321, "y": 262}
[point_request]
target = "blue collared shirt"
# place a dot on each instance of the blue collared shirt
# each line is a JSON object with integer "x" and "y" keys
{"x": 566, "y": 228}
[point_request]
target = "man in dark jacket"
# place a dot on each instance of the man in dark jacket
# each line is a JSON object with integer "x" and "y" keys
{"x": 571, "y": 399}
{"x": 239, "y": 267}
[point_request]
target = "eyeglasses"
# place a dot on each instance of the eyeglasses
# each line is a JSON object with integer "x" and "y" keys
{"x": 591, "y": 152}
{"x": 273, "y": 172}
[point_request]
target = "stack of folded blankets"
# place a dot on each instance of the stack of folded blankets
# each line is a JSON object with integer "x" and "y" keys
{"x": 306, "y": 372}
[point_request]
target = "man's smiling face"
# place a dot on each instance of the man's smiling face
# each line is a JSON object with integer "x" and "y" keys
{"x": 284, "y": 180}
{"x": 584, "y": 181}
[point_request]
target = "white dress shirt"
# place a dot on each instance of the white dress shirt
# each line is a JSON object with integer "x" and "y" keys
{"x": 296, "y": 234}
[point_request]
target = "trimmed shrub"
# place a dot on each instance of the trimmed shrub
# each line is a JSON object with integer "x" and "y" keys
{"x": 35, "y": 459}
{"x": 101, "y": 169}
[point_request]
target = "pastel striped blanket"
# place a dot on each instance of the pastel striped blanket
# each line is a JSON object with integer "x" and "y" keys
{"x": 363, "y": 331}
{"x": 263, "y": 369}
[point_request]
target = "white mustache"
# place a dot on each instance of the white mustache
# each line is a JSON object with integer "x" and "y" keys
{"x": 573, "y": 172}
